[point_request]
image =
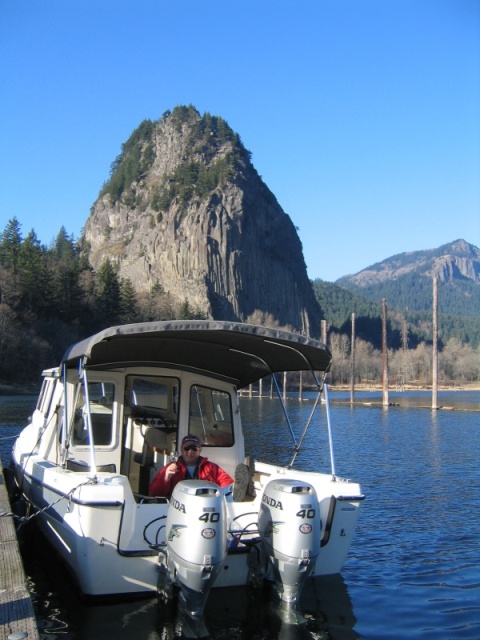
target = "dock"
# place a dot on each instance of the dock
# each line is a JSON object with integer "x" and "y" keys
{"x": 17, "y": 618}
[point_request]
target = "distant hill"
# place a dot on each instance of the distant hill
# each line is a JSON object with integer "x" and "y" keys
{"x": 405, "y": 281}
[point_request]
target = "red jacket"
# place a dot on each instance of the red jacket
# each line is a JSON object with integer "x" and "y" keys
{"x": 206, "y": 470}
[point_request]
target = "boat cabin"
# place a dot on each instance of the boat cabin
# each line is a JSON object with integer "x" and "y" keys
{"x": 135, "y": 418}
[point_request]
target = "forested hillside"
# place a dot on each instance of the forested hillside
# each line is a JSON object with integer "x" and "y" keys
{"x": 50, "y": 297}
{"x": 338, "y": 304}
{"x": 405, "y": 280}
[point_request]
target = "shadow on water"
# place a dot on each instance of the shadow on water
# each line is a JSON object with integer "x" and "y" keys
{"x": 234, "y": 613}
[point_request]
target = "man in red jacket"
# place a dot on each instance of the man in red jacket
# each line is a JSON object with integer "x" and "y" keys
{"x": 189, "y": 465}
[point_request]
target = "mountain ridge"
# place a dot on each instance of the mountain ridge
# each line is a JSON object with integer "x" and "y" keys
{"x": 449, "y": 261}
{"x": 405, "y": 281}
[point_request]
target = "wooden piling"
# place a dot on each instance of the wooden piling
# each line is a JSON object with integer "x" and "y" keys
{"x": 435, "y": 345}
{"x": 384, "y": 353}
{"x": 323, "y": 331}
{"x": 352, "y": 362}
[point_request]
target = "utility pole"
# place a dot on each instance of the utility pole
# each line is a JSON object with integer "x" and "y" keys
{"x": 384, "y": 353}
{"x": 352, "y": 362}
{"x": 435, "y": 345}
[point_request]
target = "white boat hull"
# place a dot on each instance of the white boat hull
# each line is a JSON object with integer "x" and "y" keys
{"x": 99, "y": 529}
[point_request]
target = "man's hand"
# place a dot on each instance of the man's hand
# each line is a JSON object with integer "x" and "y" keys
{"x": 171, "y": 470}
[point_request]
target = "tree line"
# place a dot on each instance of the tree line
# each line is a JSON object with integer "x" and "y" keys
{"x": 456, "y": 319}
{"x": 458, "y": 363}
{"x": 50, "y": 297}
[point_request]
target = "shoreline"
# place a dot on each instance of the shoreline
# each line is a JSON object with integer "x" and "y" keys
{"x": 378, "y": 388}
{"x": 31, "y": 389}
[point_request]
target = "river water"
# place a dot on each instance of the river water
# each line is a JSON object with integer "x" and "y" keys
{"x": 414, "y": 567}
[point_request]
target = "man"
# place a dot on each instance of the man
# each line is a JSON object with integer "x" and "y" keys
{"x": 189, "y": 465}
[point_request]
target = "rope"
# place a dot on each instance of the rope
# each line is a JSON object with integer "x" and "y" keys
{"x": 24, "y": 519}
{"x": 10, "y": 437}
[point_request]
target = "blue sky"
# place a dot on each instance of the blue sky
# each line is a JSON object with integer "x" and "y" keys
{"x": 362, "y": 116}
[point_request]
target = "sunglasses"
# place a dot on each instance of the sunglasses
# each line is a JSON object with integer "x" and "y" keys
{"x": 190, "y": 448}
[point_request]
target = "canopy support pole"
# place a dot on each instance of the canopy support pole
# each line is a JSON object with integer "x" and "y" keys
{"x": 88, "y": 416}
{"x": 329, "y": 428}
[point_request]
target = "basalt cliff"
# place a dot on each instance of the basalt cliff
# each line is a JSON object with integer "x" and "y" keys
{"x": 185, "y": 212}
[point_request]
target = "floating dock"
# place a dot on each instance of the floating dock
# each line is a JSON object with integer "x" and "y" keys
{"x": 17, "y": 618}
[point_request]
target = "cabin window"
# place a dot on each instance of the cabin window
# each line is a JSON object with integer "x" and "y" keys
{"x": 101, "y": 395}
{"x": 45, "y": 396}
{"x": 210, "y": 416}
{"x": 153, "y": 397}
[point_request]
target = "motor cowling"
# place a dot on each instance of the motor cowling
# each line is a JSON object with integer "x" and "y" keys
{"x": 290, "y": 529}
{"x": 196, "y": 535}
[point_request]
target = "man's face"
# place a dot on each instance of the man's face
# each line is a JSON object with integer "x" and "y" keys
{"x": 191, "y": 453}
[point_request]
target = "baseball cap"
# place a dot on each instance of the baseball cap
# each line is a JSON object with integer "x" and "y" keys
{"x": 191, "y": 439}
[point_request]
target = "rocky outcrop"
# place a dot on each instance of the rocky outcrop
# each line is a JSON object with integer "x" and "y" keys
{"x": 455, "y": 261}
{"x": 185, "y": 210}
{"x": 461, "y": 262}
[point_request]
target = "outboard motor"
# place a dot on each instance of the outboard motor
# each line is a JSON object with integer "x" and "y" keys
{"x": 290, "y": 527}
{"x": 196, "y": 541}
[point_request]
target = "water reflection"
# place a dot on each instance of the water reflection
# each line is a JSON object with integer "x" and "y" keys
{"x": 325, "y": 610}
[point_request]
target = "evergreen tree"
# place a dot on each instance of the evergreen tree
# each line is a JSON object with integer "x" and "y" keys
{"x": 185, "y": 311}
{"x": 136, "y": 157}
{"x": 128, "y": 302}
{"x": 10, "y": 243}
{"x": 107, "y": 299}
{"x": 68, "y": 293}
{"x": 9, "y": 340}
{"x": 34, "y": 277}
{"x": 67, "y": 266}
{"x": 64, "y": 249}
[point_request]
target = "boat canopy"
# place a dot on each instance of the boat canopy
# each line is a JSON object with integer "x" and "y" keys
{"x": 237, "y": 352}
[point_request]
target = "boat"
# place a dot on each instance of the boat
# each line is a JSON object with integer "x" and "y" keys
{"x": 114, "y": 412}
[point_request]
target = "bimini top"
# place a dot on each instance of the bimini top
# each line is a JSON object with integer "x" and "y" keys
{"x": 240, "y": 353}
